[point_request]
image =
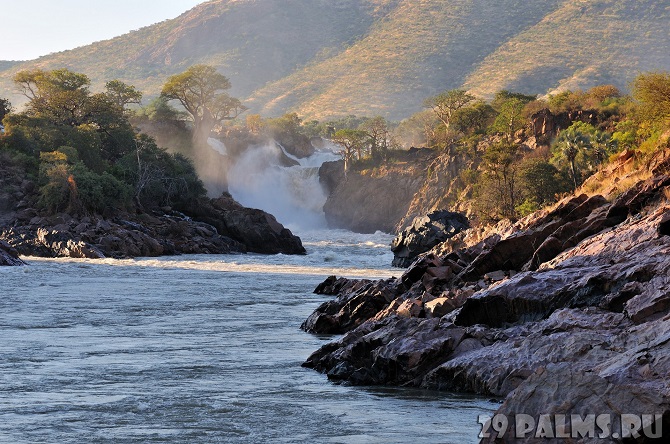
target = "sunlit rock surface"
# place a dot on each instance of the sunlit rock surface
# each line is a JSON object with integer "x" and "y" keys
{"x": 565, "y": 311}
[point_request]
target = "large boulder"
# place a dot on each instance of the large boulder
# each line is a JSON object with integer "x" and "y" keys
{"x": 425, "y": 233}
{"x": 257, "y": 230}
{"x": 9, "y": 255}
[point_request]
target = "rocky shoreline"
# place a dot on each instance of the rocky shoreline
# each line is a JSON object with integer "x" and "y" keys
{"x": 566, "y": 311}
{"x": 212, "y": 226}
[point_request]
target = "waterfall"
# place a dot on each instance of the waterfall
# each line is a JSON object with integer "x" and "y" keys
{"x": 293, "y": 194}
{"x": 217, "y": 146}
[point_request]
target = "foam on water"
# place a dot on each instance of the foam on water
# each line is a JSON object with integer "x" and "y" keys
{"x": 197, "y": 349}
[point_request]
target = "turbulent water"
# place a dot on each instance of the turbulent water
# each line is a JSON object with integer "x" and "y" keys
{"x": 292, "y": 194}
{"x": 197, "y": 349}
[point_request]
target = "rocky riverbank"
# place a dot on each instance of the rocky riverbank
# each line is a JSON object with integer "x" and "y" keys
{"x": 566, "y": 311}
{"x": 212, "y": 226}
{"x": 425, "y": 233}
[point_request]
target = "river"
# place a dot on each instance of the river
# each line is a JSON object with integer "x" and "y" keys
{"x": 198, "y": 349}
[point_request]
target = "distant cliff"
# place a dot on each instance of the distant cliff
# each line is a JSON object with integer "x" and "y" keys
{"x": 389, "y": 197}
{"x": 374, "y": 199}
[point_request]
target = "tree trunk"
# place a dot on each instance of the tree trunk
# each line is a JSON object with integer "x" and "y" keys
{"x": 574, "y": 174}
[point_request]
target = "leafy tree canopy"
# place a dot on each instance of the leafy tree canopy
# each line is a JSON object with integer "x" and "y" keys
{"x": 446, "y": 103}
{"x": 652, "y": 91}
{"x": 122, "y": 94}
{"x": 201, "y": 90}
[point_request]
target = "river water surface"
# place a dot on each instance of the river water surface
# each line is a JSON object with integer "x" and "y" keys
{"x": 198, "y": 349}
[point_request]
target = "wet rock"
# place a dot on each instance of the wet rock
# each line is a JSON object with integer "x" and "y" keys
{"x": 219, "y": 227}
{"x": 631, "y": 381}
{"x": 425, "y": 233}
{"x": 257, "y": 230}
{"x": 357, "y": 302}
{"x": 392, "y": 350}
{"x": 591, "y": 309}
{"x": 8, "y": 255}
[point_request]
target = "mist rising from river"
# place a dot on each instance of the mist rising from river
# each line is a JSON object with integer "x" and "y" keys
{"x": 259, "y": 178}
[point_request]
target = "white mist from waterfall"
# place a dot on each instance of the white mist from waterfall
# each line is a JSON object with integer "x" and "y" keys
{"x": 292, "y": 194}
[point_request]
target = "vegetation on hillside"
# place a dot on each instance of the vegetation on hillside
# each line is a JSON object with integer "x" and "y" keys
{"x": 323, "y": 59}
{"x": 82, "y": 153}
{"x": 514, "y": 167}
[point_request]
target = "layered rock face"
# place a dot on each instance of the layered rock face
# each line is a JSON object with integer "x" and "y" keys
{"x": 425, "y": 233}
{"x": 564, "y": 312}
{"x": 214, "y": 226}
{"x": 376, "y": 199}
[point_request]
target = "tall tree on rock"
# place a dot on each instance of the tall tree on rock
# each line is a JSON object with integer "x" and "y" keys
{"x": 352, "y": 142}
{"x": 445, "y": 104}
{"x": 201, "y": 90}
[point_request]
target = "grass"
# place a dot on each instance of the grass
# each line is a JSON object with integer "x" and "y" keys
{"x": 325, "y": 59}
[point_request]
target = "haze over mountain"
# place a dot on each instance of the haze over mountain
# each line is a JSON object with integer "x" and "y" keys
{"x": 329, "y": 58}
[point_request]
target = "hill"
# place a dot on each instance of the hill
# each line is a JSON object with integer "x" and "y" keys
{"x": 332, "y": 58}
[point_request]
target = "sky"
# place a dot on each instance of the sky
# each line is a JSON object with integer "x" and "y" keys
{"x": 33, "y": 28}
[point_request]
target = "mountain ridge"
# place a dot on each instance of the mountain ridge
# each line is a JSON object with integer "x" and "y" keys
{"x": 334, "y": 58}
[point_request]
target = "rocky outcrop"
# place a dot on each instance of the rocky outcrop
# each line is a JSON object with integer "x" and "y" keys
{"x": 217, "y": 226}
{"x": 357, "y": 302}
{"x": 257, "y": 230}
{"x": 544, "y": 125}
{"x": 425, "y": 233}
{"x": 565, "y": 312}
{"x": 375, "y": 199}
{"x": 8, "y": 255}
{"x": 443, "y": 186}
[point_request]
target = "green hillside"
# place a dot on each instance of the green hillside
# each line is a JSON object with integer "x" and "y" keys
{"x": 328, "y": 58}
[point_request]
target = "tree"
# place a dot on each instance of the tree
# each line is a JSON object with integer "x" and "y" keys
{"x": 540, "y": 182}
{"x": 570, "y": 143}
{"x": 509, "y": 119}
{"x": 473, "y": 119}
{"x": 5, "y": 108}
{"x": 503, "y": 96}
{"x": 652, "y": 92}
{"x": 254, "y": 123}
{"x": 510, "y": 107}
{"x": 160, "y": 110}
{"x": 158, "y": 177}
{"x": 59, "y": 95}
{"x": 62, "y": 111}
{"x": 419, "y": 129}
{"x": 380, "y": 137}
{"x": 122, "y": 94}
{"x": 602, "y": 146}
{"x": 351, "y": 141}
{"x": 500, "y": 166}
{"x": 600, "y": 93}
{"x": 201, "y": 90}
{"x": 446, "y": 103}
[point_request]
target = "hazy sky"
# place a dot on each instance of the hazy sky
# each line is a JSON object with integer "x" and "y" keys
{"x": 32, "y": 28}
